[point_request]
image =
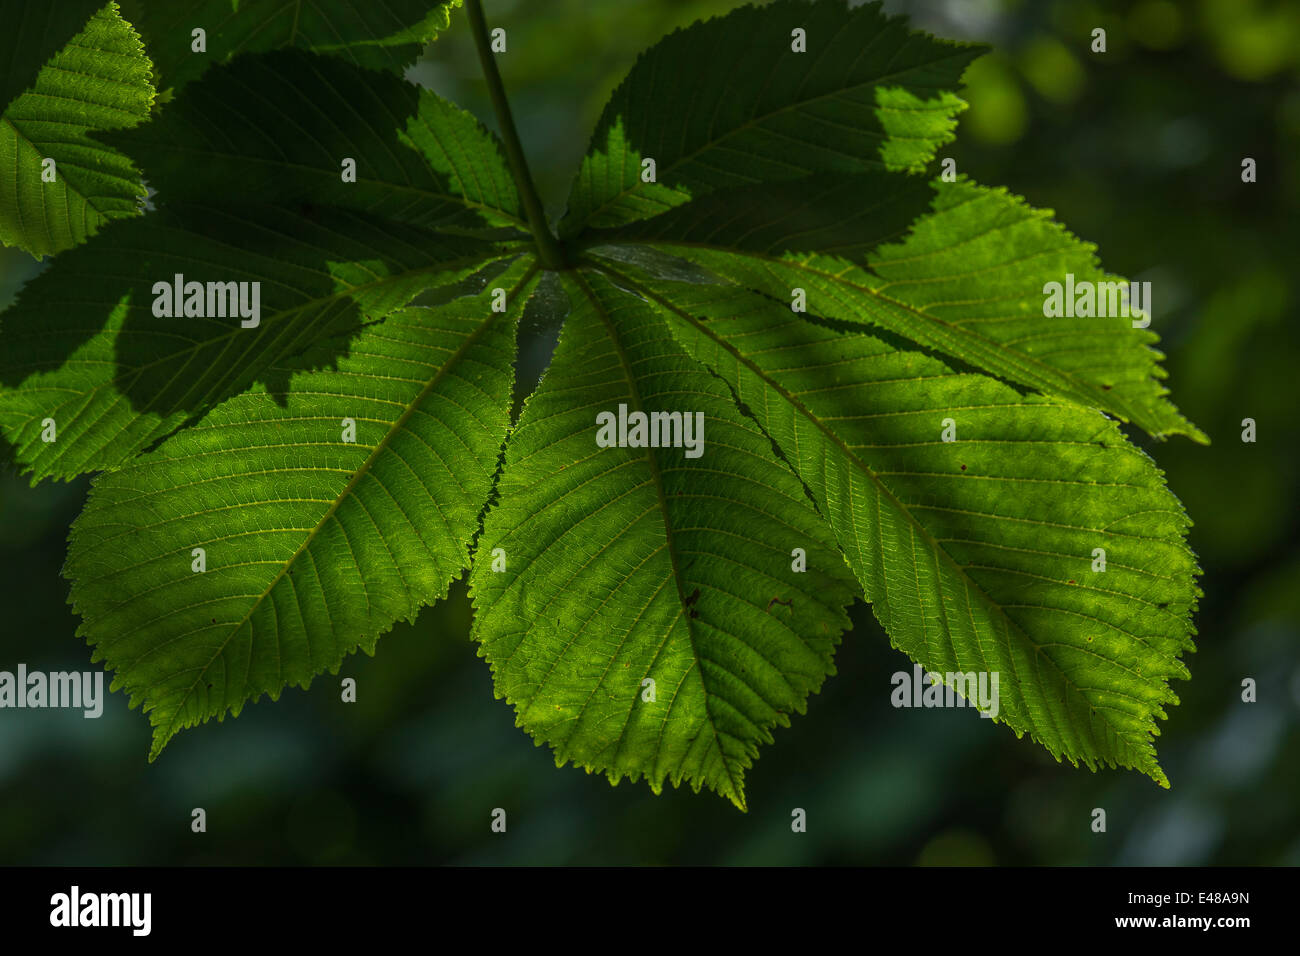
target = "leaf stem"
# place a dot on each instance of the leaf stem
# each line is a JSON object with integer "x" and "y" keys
{"x": 548, "y": 246}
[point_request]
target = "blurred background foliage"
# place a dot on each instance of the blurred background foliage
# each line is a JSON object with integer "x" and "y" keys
{"x": 1139, "y": 150}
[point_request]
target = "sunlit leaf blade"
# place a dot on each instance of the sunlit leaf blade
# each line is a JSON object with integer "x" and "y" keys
{"x": 83, "y": 347}
{"x": 99, "y": 81}
{"x": 387, "y": 35}
{"x": 728, "y": 102}
{"x": 313, "y": 545}
{"x": 278, "y": 128}
{"x": 968, "y": 282}
{"x": 623, "y": 565}
{"x": 977, "y": 554}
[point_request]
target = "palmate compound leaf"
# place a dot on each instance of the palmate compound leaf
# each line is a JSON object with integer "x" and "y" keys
{"x": 684, "y": 629}
{"x": 978, "y": 554}
{"x": 91, "y": 376}
{"x": 643, "y": 609}
{"x": 383, "y": 35}
{"x": 99, "y": 80}
{"x": 967, "y": 281}
{"x": 313, "y": 544}
{"x": 730, "y": 102}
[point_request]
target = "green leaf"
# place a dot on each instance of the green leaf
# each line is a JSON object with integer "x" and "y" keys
{"x": 924, "y": 434}
{"x": 967, "y": 282}
{"x": 313, "y": 545}
{"x": 621, "y": 565}
{"x": 99, "y": 81}
{"x": 977, "y": 554}
{"x": 387, "y": 35}
{"x": 85, "y": 349}
{"x": 418, "y": 158}
{"x": 728, "y": 102}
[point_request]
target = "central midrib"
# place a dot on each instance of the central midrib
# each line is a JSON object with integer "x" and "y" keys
{"x": 737, "y": 789}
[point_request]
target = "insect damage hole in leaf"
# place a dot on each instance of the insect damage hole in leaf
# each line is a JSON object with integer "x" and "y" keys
{"x": 690, "y": 433}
